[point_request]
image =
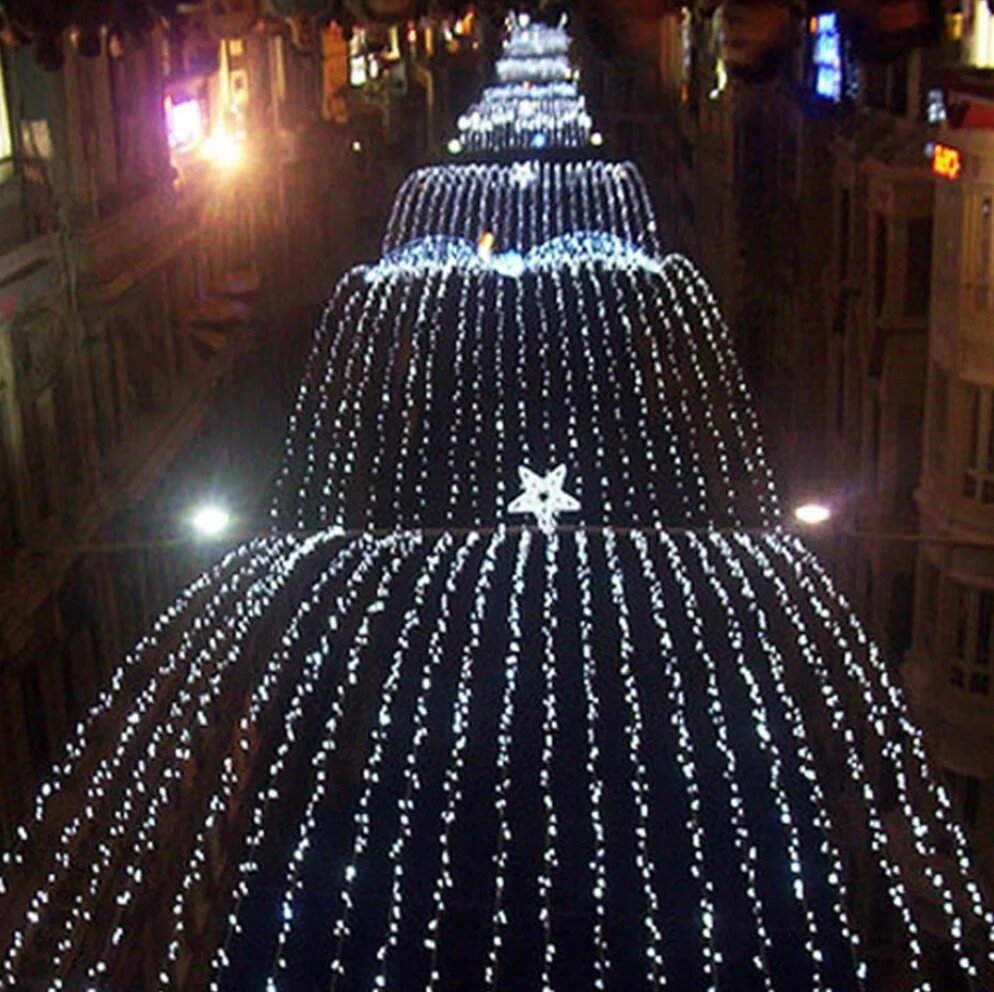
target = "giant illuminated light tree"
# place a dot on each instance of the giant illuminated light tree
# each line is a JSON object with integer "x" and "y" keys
{"x": 528, "y": 688}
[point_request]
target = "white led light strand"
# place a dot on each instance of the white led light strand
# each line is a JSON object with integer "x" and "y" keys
{"x": 502, "y": 787}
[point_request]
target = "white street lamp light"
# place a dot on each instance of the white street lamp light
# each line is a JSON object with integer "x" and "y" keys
{"x": 812, "y": 514}
{"x": 210, "y": 520}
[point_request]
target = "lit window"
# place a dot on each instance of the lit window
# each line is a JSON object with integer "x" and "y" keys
{"x": 982, "y": 41}
{"x": 6, "y": 141}
{"x": 358, "y": 69}
{"x": 686, "y": 47}
{"x": 827, "y": 56}
{"x": 184, "y": 122}
{"x": 935, "y": 106}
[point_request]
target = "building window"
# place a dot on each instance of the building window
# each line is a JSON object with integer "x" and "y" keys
{"x": 965, "y": 790}
{"x": 826, "y": 56}
{"x": 880, "y": 263}
{"x": 918, "y": 267}
{"x": 363, "y": 64}
{"x": 935, "y": 106}
{"x": 982, "y": 41}
{"x": 978, "y": 479}
{"x": 844, "y": 233}
{"x": 938, "y": 417}
{"x": 973, "y": 616}
{"x": 840, "y": 395}
{"x": 930, "y": 603}
{"x": 6, "y": 136}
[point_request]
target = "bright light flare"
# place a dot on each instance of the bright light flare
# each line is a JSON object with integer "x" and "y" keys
{"x": 184, "y": 122}
{"x": 224, "y": 151}
{"x": 210, "y": 520}
{"x": 812, "y": 514}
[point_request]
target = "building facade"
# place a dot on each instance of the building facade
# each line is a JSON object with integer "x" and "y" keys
{"x": 166, "y": 201}
{"x": 832, "y": 170}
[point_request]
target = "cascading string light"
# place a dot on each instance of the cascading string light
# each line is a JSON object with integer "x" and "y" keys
{"x": 138, "y": 831}
{"x": 98, "y": 790}
{"x": 329, "y": 743}
{"x": 942, "y": 805}
{"x": 742, "y": 838}
{"x": 76, "y": 748}
{"x": 462, "y": 200}
{"x": 324, "y": 751}
{"x": 881, "y": 843}
{"x": 531, "y": 299}
{"x": 536, "y": 69}
{"x": 881, "y": 713}
{"x": 452, "y": 779}
{"x": 804, "y": 755}
{"x": 502, "y": 786}
{"x": 686, "y": 753}
{"x": 386, "y": 394}
{"x": 291, "y": 492}
{"x": 595, "y": 783}
{"x": 550, "y": 727}
{"x": 737, "y": 395}
{"x": 731, "y": 378}
{"x": 363, "y": 823}
{"x": 770, "y": 750}
{"x": 268, "y": 795}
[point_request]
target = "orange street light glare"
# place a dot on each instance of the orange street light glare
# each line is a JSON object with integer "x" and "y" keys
{"x": 224, "y": 150}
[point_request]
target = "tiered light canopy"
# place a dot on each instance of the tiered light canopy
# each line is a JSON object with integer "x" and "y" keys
{"x": 528, "y": 689}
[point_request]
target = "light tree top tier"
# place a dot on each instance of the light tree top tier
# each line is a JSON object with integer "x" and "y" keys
{"x": 535, "y": 105}
{"x": 524, "y": 204}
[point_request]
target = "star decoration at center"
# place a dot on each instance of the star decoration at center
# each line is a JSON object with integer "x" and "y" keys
{"x": 544, "y": 497}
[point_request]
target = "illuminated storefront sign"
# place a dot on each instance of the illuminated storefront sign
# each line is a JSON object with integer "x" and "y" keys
{"x": 946, "y": 161}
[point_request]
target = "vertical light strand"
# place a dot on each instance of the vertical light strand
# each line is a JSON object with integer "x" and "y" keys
{"x": 595, "y": 783}
{"x": 742, "y": 839}
{"x": 879, "y": 841}
{"x": 634, "y": 735}
{"x": 676, "y": 696}
{"x": 413, "y": 779}
{"x": 452, "y": 780}
{"x": 804, "y": 755}
{"x": 502, "y": 784}
{"x": 882, "y": 712}
{"x": 550, "y": 727}
{"x": 766, "y": 743}
{"x": 267, "y": 804}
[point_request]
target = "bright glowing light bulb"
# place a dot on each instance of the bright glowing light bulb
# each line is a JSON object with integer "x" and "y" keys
{"x": 210, "y": 520}
{"x": 812, "y": 514}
